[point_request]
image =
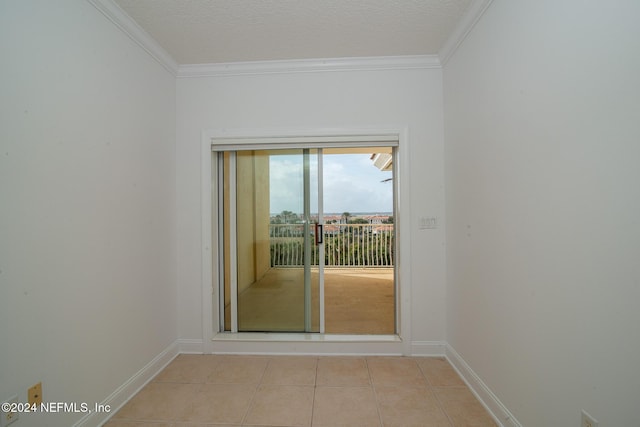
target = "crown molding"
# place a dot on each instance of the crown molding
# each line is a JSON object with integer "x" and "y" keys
{"x": 472, "y": 15}
{"x": 127, "y": 25}
{"x": 407, "y": 62}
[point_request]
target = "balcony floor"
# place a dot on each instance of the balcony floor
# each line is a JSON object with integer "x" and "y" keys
{"x": 357, "y": 301}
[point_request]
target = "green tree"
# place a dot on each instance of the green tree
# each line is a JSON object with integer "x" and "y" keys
{"x": 358, "y": 221}
{"x": 288, "y": 216}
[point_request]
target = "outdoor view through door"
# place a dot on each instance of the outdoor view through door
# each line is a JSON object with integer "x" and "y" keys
{"x": 308, "y": 240}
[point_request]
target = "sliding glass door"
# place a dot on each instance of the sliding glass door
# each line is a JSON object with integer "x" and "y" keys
{"x": 272, "y": 248}
{"x": 273, "y": 259}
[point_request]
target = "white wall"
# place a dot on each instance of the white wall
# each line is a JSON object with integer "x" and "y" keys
{"x": 542, "y": 137}
{"x": 411, "y": 98}
{"x": 87, "y": 205}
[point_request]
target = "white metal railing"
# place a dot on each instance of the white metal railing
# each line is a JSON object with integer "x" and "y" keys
{"x": 346, "y": 245}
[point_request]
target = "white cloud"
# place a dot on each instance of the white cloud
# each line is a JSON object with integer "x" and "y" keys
{"x": 351, "y": 184}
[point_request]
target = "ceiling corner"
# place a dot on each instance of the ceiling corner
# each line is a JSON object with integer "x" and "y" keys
{"x": 127, "y": 25}
{"x": 475, "y": 11}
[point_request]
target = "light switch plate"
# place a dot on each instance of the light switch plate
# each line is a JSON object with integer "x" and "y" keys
{"x": 428, "y": 223}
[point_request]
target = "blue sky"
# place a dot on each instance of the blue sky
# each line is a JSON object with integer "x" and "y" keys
{"x": 351, "y": 184}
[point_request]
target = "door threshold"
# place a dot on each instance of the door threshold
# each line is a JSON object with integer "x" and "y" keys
{"x": 302, "y": 337}
{"x": 261, "y": 343}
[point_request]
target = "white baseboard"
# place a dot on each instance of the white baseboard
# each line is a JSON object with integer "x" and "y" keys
{"x": 191, "y": 346}
{"x": 122, "y": 394}
{"x": 428, "y": 348}
{"x": 500, "y": 413}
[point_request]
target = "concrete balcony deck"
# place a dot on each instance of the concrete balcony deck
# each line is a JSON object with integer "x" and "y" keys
{"x": 357, "y": 301}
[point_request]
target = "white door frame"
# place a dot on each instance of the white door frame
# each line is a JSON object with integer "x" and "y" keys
{"x": 214, "y": 341}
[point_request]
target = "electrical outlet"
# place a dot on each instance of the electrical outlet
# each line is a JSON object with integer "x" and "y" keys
{"x": 35, "y": 394}
{"x": 588, "y": 420}
{"x": 6, "y": 416}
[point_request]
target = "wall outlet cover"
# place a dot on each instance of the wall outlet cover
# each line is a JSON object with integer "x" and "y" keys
{"x": 588, "y": 420}
{"x": 8, "y": 417}
{"x": 35, "y": 394}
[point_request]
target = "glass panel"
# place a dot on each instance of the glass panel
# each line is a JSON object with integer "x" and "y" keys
{"x": 359, "y": 274}
{"x": 277, "y": 290}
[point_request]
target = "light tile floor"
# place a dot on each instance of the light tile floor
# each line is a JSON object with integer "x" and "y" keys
{"x": 221, "y": 390}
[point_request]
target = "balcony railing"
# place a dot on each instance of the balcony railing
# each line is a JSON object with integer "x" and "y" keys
{"x": 346, "y": 245}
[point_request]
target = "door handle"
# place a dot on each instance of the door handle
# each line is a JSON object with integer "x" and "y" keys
{"x": 319, "y": 233}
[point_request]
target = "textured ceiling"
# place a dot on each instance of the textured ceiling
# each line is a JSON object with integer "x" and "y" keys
{"x": 216, "y": 31}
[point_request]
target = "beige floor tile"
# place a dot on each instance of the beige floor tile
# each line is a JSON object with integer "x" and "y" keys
{"x": 291, "y": 371}
{"x": 403, "y": 371}
{"x": 281, "y": 405}
{"x": 410, "y": 407}
{"x": 279, "y": 391}
{"x": 122, "y": 423}
{"x": 188, "y": 368}
{"x": 238, "y": 370}
{"x": 158, "y": 402}
{"x": 218, "y": 403}
{"x": 342, "y": 371}
{"x": 439, "y": 372}
{"x": 204, "y": 425}
{"x": 345, "y": 406}
{"x": 463, "y": 408}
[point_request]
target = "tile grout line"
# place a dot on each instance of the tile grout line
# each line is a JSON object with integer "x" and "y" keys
{"x": 315, "y": 387}
{"x": 441, "y": 406}
{"x": 255, "y": 392}
{"x": 432, "y": 389}
{"x": 375, "y": 395}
